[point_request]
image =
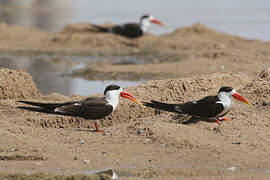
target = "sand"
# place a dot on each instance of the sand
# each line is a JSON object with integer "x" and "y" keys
{"x": 17, "y": 84}
{"x": 187, "y": 64}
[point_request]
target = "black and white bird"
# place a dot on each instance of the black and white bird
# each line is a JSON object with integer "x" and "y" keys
{"x": 209, "y": 107}
{"x": 91, "y": 108}
{"x": 131, "y": 30}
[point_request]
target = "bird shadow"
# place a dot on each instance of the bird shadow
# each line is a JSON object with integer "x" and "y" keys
{"x": 187, "y": 119}
{"x": 193, "y": 120}
{"x": 42, "y": 110}
{"x": 85, "y": 130}
{"x": 180, "y": 118}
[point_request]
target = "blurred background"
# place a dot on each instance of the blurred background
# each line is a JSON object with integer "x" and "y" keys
{"x": 249, "y": 19}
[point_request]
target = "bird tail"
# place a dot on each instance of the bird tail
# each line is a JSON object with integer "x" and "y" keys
{"x": 161, "y": 106}
{"x": 100, "y": 28}
{"x": 48, "y": 106}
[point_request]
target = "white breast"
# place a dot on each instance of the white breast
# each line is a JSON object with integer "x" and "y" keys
{"x": 226, "y": 100}
{"x": 145, "y": 25}
{"x": 112, "y": 97}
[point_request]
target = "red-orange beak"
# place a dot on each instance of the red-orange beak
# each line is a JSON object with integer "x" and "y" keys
{"x": 157, "y": 22}
{"x": 240, "y": 98}
{"x": 130, "y": 97}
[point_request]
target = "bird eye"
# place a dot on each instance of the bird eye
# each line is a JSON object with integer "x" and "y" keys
{"x": 233, "y": 91}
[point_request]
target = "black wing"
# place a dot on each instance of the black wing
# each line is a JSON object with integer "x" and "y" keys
{"x": 206, "y": 107}
{"x": 47, "y": 106}
{"x": 131, "y": 30}
{"x": 161, "y": 106}
{"x": 90, "y": 108}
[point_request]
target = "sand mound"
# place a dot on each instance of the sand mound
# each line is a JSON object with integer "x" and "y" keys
{"x": 265, "y": 74}
{"x": 179, "y": 90}
{"x": 194, "y": 29}
{"x": 17, "y": 84}
{"x": 84, "y": 34}
{"x": 259, "y": 90}
{"x": 81, "y": 28}
{"x": 77, "y": 28}
{"x": 199, "y": 32}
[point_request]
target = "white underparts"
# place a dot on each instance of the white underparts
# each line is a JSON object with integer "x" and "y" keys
{"x": 145, "y": 25}
{"x": 226, "y": 99}
{"x": 112, "y": 97}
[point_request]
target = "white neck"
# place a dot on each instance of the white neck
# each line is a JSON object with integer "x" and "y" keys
{"x": 145, "y": 25}
{"x": 113, "y": 98}
{"x": 226, "y": 100}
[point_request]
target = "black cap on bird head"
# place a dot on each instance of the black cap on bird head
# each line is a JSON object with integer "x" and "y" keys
{"x": 145, "y": 16}
{"x": 111, "y": 87}
{"x": 225, "y": 89}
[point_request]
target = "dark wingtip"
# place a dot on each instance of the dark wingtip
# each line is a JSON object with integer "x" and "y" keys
{"x": 153, "y": 102}
{"x": 35, "y": 109}
{"x": 146, "y": 103}
{"x": 25, "y": 102}
{"x": 22, "y": 101}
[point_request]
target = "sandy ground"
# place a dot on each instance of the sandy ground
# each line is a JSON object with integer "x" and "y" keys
{"x": 192, "y": 62}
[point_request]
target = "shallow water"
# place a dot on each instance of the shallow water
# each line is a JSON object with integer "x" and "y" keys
{"x": 247, "y": 18}
{"x": 49, "y": 76}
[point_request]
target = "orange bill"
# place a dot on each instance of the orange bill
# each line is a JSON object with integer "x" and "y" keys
{"x": 130, "y": 97}
{"x": 157, "y": 22}
{"x": 240, "y": 98}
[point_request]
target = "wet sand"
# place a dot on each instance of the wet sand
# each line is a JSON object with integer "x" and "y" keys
{"x": 187, "y": 64}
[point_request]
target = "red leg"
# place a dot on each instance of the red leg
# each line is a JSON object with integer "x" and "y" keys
{"x": 225, "y": 119}
{"x": 97, "y": 129}
{"x": 218, "y": 121}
